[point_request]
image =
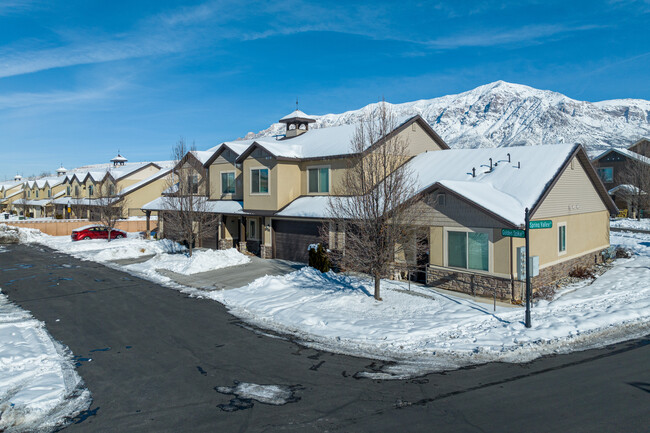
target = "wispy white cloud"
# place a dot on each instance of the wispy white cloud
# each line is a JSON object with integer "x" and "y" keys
{"x": 57, "y": 98}
{"x": 11, "y": 7}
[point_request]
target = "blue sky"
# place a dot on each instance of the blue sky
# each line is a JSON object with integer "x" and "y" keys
{"x": 81, "y": 79}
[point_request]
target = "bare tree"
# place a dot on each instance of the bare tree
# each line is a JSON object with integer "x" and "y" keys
{"x": 22, "y": 205}
{"x": 369, "y": 207}
{"x": 635, "y": 185}
{"x": 110, "y": 206}
{"x": 185, "y": 202}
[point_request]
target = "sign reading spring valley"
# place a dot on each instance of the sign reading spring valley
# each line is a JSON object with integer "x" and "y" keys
{"x": 544, "y": 224}
{"x": 513, "y": 233}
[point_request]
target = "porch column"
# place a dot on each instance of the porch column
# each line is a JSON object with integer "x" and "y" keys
{"x": 148, "y": 230}
{"x": 242, "y": 235}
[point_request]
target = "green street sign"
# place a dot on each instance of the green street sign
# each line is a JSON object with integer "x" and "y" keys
{"x": 545, "y": 224}
{"x": 513, "y": 233}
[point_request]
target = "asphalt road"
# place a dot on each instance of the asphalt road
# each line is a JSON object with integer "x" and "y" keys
{"x": 157, "y": 356}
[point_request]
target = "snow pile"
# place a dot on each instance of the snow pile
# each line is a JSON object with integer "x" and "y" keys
{"x": 8, "y": 235}
{"x": 200, "y": 261}
{"x": 269, "y": 394}
{"x": 39, "y": 388}
{"x": 427, "y": 331}
{"x": 100, "y": 250}
{"x": 627, "y": 223}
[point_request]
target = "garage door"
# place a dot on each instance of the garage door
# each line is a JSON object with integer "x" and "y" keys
{"x": 291, "y": 239}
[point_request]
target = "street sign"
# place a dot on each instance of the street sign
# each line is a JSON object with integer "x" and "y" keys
{"x": 513, "y": 233}
{"x": 544, "y": 224}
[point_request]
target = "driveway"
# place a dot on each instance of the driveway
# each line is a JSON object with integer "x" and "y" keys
{"x": 152, "y": 358}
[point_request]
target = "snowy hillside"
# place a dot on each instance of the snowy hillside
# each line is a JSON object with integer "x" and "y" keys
{"x": 502, "y": 114}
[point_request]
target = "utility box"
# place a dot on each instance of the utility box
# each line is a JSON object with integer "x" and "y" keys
{"x": 521, "y": 268}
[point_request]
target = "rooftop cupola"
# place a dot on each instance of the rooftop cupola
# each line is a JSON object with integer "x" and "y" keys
{"x": 297, "y": 123}
{"x": 18, "y": 177}
{"x": 61, "y": 171}
{"x": 118, "y": 160}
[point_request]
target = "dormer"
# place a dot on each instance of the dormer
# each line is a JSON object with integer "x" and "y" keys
{"x": 118, "y": 160}
{"x": 297, "y": 123}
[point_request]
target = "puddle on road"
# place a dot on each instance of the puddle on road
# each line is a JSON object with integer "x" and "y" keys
{"x": 201, "y": 370}
{"x": 84, "y": 415}
{"x": 10, "y": 282}
{"x": 18, "y": 266}
{"x": 62, "y": 266}
{"x": 245, "y": 393}
{"x": 78, "y": 359}
{"x": 105, "y": 349}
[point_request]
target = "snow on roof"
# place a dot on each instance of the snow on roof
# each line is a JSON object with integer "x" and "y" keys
{"x": 307, "y": 207}
{"x": 314, "y": 143}
{"x": 627, "y": 153}
{"x": 61, "y": 170}
{"x": 119, "y": 158}
{"x": 202, "y": 155}
{"x": 294, "y": 114}
{"x": 151, "y": 178}
{"x": 506, "y": 190}
{"x": 625, "y": 189}
{"x": 213, "y": 206}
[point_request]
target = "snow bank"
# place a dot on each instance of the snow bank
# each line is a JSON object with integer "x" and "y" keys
{"x": 627, "y": 223}
{"x": 427, "y": 331}
{"x": 39, "y": 388}
{"x": 201, "y": 261}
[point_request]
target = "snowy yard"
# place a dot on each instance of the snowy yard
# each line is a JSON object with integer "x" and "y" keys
{"x": 423, "y": 331}
{"x": 629, "y": 223}
{"x": 39, "y": 386}
{"x": 419, "y": 329}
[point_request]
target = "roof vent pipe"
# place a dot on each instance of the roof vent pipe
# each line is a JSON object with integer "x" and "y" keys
{"x": 518, "y": 164}
{"x": 508, "y": 157}
{"x": 473, "y": 173}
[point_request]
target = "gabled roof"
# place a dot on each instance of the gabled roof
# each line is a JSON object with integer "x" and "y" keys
{"x": 145, "y": 182}
{"x": 329, "y": 142}
{"x": 625, "y": 152}
{"x": 237, "y": 147}
{"x": 638, "y": 142}
{"x": 504, "y": 193}
{"x": 297, "y": 115}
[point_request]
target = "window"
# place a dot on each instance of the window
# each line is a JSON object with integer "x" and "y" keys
{"x": 67, "y": 190}
{"x": 111, "y": 190}
{"x": 319, "y": 179}
{"x": 252, "y": 229}
{"x": 561, "y": 229}
{"x": 193, "y": 184}
{"x": 76, "y": 191}
{"x": 441, "y": 199}
{"x": 49, "y": 193}
{"x": 91, "y": 190}
{"x": 469, "y": 250}
{"x": 29, "y": 194}
{"x": 228, "y": 182}
{"x": 260, "y": 181}
{"x": 36, "y": 193}
{"x": 606, "y": 174}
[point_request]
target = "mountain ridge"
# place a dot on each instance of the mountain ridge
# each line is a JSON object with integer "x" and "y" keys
{"x": 503, "y": 114}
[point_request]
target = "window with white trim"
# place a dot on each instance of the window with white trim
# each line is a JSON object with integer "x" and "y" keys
{"x": 561, "y": 241}
{"x": 227, "y": 182}
{"x": 468, "y": 250}
{"x": 318, "y": 179}
{"x": 259, "y": 181}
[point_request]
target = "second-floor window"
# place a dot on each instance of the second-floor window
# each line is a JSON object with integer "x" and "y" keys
{"x": 111, "y": 189}
{"x": 228, "y": 182}
{"x": 67, "y": 190}
{"x": 606, "y": 174}
{"x": 49, "y": 193}
{"x": 193, "y": 184}
{"x": 260, "y": 181}
{"x": 36, "y": 193}
{"x": 91, "y": 190}
{"x": 29, "y": 194}
{"x": 319, "y": 179}
{"x": 76, "y": 191}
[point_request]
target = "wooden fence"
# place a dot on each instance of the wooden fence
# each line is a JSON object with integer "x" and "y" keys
{"x": 65, "y": 227}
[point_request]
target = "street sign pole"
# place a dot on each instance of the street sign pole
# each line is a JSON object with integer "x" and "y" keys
{"x": 528, "y": 294}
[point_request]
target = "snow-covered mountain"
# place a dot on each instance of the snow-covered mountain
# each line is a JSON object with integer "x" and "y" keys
{"x": 503, "y": 114}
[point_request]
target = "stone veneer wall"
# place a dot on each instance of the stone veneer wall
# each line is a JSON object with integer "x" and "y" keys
{"x": 506, "y": 289}
{"x": 266, "y": 251}
{"x": 551, "y": 274}
{"x": 225, "y": 244}
{"x": 474, "y": 284}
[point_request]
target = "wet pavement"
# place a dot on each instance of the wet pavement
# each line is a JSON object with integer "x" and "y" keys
{"x": 157, "y": 360}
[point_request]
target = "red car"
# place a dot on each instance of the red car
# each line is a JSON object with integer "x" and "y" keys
{"x": 95, "y": 232}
